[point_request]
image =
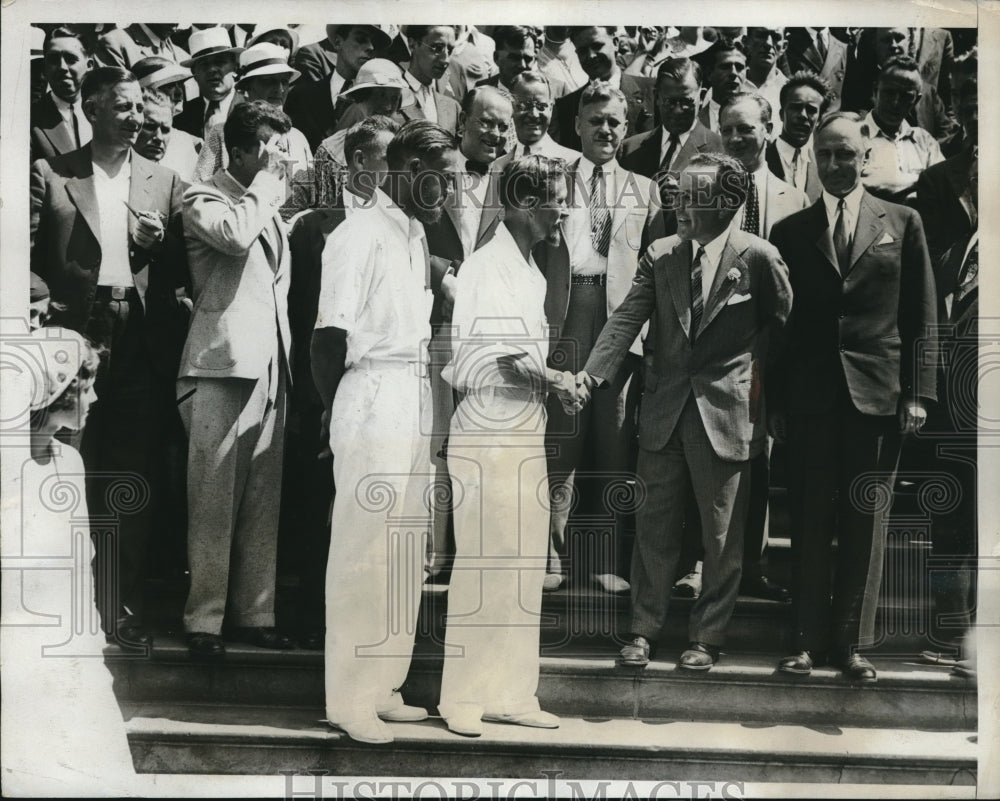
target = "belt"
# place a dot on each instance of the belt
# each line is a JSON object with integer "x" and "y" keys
{"x": 590, "y": 280}
{"x": 113, "y": 292}
{"x": 511, "y": 393}
{"x": 415, "y": 367}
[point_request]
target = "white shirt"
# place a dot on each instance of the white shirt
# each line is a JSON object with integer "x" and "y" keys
{"x": 221, "y": 114}
{"x": 469, "y": 203}
{"x": 583, "y": 258}
{"x": 561, "y": 62}
{"x": 67, "y": 113}
{"x": 898, "y": 160}
{"x": 353, "y": 202}
{"x": 375, "y": 285}
{"x": 499, "y": 311}
{"x": 547, "y": 147}
{"x": 852, "y": 206}
{"x": 760, "y": 183}
{"x": 112, "y": 195}
{"x": 787, "y": 155}
{"x": 424, "y": 96}
{"x": 337, "y": 82}
{"x": 770, "y": 90}
{"x": 710, "y": 262}
{"x": 681, "y": 141}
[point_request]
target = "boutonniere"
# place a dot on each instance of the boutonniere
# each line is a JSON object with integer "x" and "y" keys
{"x": 733, "y": 274}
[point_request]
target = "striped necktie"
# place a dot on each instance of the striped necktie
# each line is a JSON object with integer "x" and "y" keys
{"x": 751, "y": 213}
{"x": 697, "y": 299}
{"x": 600, "y": 217}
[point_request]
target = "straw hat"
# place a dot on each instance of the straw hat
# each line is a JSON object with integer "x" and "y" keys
{"x": 265, "y": 59}
{"x": 208, "y": 42}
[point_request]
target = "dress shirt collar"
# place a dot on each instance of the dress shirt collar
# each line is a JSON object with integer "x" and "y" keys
{"x": 564, "y": 51}
{"x": 124, "y": 174}
{"x": 853, "y": 201}
{"x": 905, "y": 129}
{"x": 543, "y": 147}
{"x": 64, "y": 107}
{"x": 337, "y": 82}
{"x": 154, "y": 40}
{"x": 393, "y": 212}
{"x": 235, "y": 181}
{"x": 713, "y": 250}
{"x": 586, "y": 167}
{"x": 774, "y": 78}
{"x": 415, "y": 83}
{"x": 787, "y": 151}
{"x": 511, "y": 253}
{"x": 681, "y": 138}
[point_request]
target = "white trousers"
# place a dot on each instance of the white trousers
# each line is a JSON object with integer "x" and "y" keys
{"x": 496, "y": 458}
{"x": 379, "y": 429}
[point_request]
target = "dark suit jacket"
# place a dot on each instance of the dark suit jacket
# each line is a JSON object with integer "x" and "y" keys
{"x": 813, "y": 188}
{"x": 801, "y": 54}
{"x": 315, "y": 61}
{"x": 305, "y": 243}
{"x": 718, "y": 366}
{"x": 947, "y": 214}
{"x": 864, "y": 328}
{"x": 447, "y": 109}
{"x": 445, "y": 246}
{"x": 192, "y": 117}
{"x": 312, "y": 111}
{"x": 641, "y": 153}
{"x": 50, "y": 135}
{"x": 639, "y": 93}
{"x": 66, "y": 249}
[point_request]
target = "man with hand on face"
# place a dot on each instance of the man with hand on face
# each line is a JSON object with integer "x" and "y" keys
{"x": 899, "y": 151}
{"x": 596, "y": 48}
{"x": 431, "y": 47}
{"x": 804, "y": 99}
{"x": 604, "y": 232}
{"x": 557, "y": 60}
{"x": 369, "y": 362}
{"x": 851, "y": 375}
{"x": 725, "y": 65}
{"x": 232, "y": 384}
{"x": 213, "y": 63}
{"x": 58, "y": 124}
{"x": 712, "y": 291}
{"x": 106, "y": 237}
{"x": 316, "y": 108}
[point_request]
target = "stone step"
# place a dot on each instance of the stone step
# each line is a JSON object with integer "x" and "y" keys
{"x": 740, "y": 688}
{"x": 207, "y": 739}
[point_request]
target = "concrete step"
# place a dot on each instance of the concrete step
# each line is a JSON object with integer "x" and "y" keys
{"x": 205, "y": 739}
{"x": 741, "y": 688}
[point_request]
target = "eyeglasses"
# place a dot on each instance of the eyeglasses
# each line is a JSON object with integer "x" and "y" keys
{"x": 763, "y": 34}
{"x": 684, "y": 103}
{"x": 491, "y": 125}
{"x": 440, "y": 48}
{"x": 525, "y": 106}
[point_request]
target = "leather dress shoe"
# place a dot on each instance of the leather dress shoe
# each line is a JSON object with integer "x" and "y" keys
{"x": 855, "y": 667}
{"x": 763, "y": 587}
{"x": 133, "y": 636}
{"x": 206, "y": 646}
{"x": 262, "y": 637}
{"x": 636, "y": 652}
{"x": 689, "y": 586}
{"x": 537, "y": 719}
{"x": 699, "y": 656}
{"x": 937, "y": 658}
{"x": 466, "y": 722}
{"x": 368, "y": 729}
{"x": 800, "y": 664}
{"x": 404, "y": 714}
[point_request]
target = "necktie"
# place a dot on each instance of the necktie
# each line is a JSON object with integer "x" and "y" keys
{"x": 343, "y": 101}
{"x": 841, "y": 240}
{"x": 751, "y": 213}
{"x": 478, "y": 167}
{"x": 212, "y": 114}
{"x": 527, "y": 150}
{"x": 668, "y": 157}
{"x": 796, "y": 168}
{"x": 968, "y": 282}
{"x": 697, "y": 301}
{"x": 76, "y": 124}
{"x": 600, "y": 217}
{"x": 820, "y": 46}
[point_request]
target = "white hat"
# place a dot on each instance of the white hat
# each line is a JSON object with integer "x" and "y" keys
{"x": 54, "y": 363}
{"x": 156, "y": 71}
{"x": 378, "y": 72}
{"x": 292, "y": 34}
{"x": 265, "y": 59}
{"x": 208, "y": 42}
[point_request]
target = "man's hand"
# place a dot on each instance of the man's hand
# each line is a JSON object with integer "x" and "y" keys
{"x": 149, "y": 229}
{"x": 273, "y": 155}
{"x": 777, "y": 426}
{"x": 449, "y": 284}
{"x": 912, "y": 417}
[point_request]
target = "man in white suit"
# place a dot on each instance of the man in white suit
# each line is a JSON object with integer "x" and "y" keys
{"x": 231, "y": 386}
{"x": 604, "y": 231}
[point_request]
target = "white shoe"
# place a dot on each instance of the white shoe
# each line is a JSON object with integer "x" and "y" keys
{"x": 537, "y": 720}
{"x": 611, "y": 584}
{"x": 404, "y": 714}
{"x": 465, "y": 722}
{"x": 552, "y": 582}
{"x": 366, "y": 730}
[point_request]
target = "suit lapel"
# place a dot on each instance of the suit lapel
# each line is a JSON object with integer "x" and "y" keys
{"x": 869, "y": 228}
{"x": 958, "y": 176}
{"x": 59, "y": 134}
{"x": 678, "y": 272}
{"x": 139, "y": 197}
{"x": 824, "y": 234}
{"x": 413, "y": 112}
{"x": 81, "y": 191}
{"x": 649, "y": 150}
{"x": 622, "y": 199}
{"x": 722, "y": 286}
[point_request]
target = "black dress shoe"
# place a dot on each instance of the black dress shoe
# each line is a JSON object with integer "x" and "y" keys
{"x": 763, "y": 587}
{"x": 855, "y": 667}
{"x": 699, "y": 656}
{"x": 132, "y": 637}
{"x": 206, "y": 646}
{"x": 800, "y": 664}
{"x": 262, "y": 637}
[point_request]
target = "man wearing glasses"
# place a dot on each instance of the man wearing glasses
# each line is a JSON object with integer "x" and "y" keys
{"x": 532, "y": 115}
{"x": 764, "y": 47}
{"x": 431, "y": 47}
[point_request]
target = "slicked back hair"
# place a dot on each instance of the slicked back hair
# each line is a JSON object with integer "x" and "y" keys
{"x": 66, "y": 33}
{"x": 421, "y": 138}
{"x": 530, "y": 177}
{"x": 678, "y": 69}
{"x": 850, "y": 116}
{"x": 98, "y": 80}
{"x": 362, "y": 135}
{"x": 762, "y": 103}
{"x": 731, "y": 179}
{"x": 469, "y": 101}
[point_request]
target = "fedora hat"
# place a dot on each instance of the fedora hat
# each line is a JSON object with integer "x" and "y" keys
{"x": 378, "y": 72}
{"x": 208, "y": 42}
{"x": 265, "y": 58}
{"x": 381, "y": 37}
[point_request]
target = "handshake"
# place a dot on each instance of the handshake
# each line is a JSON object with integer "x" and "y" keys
{"x": 573, "y": 391}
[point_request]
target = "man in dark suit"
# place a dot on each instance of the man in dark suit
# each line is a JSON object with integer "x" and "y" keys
{"x": 214, "y": 63}
{"x": 804, "y": 99}
{"x": 711, "y": 291}
{"x": 122, "y": 47}
{"x": 58, "y": 124}
{"x": 818, "y": 51}
{"x": 316, "y": 108}
{"x": 849, "y": 377}
{"x": 596, "y": 48}
{"x": 106, "y": 237}
{"x": 318, "y": 60}
{"x": 431, "y": 47}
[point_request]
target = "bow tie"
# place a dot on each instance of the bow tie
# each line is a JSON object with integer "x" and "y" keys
{"x": 478, "y": 167}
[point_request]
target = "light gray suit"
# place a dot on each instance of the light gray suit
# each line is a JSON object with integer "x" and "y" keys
{"x": 697, "y": 418}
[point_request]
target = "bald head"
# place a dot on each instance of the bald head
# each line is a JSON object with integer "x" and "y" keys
{"x": 487, "y": 114}
{"x": 841, "y": 149}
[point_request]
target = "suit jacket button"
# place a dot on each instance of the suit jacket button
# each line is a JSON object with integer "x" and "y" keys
{"x": 843, "y": 349}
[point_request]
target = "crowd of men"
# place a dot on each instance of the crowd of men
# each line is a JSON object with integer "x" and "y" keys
{"x": 744, "y": 244}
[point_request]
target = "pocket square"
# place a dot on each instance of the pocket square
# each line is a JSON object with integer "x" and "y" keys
{"x": 886, "y": 240}
{"x": 737, "y": 299}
